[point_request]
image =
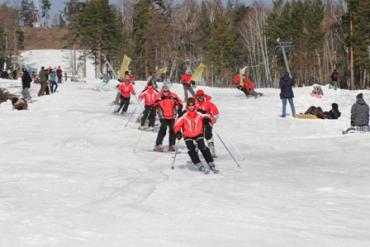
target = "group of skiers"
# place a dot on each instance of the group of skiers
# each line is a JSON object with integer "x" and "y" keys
{"x": 193, "y": 122}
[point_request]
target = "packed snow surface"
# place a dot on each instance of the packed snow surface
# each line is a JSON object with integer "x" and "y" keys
{"x": 72, "y": 174}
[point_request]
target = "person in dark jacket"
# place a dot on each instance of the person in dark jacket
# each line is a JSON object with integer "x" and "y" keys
{"x": 334, "y": 113}
{"x": 19, "y": 103}
{"x": 334, "y": 79}
{"x": 286, "y": 94}
{"x": 359, "y": 116}
{"x": 44, "y": 87}
{"x": 360, "y": 112}
{"x": 26, "y": 84}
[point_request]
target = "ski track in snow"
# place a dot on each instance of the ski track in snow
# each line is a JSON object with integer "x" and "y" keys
{"x": 72, "y": 174}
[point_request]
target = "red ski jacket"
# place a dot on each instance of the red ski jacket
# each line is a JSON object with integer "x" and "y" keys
{"x": 191, "y": 124}
{"x": 186, "y": 79}
{"x": 208, "y": 107}
{"x": 126, "y": 89}
{"x": 167, "y": 106}
{"x": 150, "y": 96}
{"x": 247, "y": 82}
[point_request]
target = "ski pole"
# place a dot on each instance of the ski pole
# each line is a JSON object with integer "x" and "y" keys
{"x": 128, "y": 120}
{"x": 228, "y": 150}
{"x": 174, "y": 157}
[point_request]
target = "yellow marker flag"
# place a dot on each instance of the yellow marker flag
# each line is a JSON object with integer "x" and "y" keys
{"x": 124, "y": 66}
{"x": 161, "y": 71}
{"x": 197, "y": 75}
{"x": 241, "y": 73}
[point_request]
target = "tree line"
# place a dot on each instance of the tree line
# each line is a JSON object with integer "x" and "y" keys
{"x": 323, "y": 35}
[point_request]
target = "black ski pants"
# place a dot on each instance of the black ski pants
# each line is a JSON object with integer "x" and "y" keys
{"x": 163, "y": 129}
{"x": 123, "y": 104}
{"x": 149, "y": 113}
{"x": 208, "y": 129}
{"x": 202, "y": 147}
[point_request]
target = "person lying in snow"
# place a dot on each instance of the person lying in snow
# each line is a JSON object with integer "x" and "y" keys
{"x": 247, "y": 86}
{"x": 19, "y": 103}
{"x": 314, "y": 112}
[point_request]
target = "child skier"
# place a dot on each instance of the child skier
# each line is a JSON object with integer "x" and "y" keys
{"x": 191, "y": 127}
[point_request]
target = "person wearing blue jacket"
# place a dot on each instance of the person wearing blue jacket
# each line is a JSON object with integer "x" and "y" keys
{"x": 286, "y": 93}
{"x": 53, "y": 81}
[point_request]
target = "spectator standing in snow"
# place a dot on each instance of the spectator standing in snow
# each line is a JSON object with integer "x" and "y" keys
{"x": 59, "y": 74}
{"x": 26, "y": 84}
{"x": 52, "y": 81}
{"x": 44, "y": 88}
{"x": 334, "y": 79}
{"x": 286, "y": 94}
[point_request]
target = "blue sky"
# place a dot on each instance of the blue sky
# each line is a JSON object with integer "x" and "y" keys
{"x": 58, "y": 5}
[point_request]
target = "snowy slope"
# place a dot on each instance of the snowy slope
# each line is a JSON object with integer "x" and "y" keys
{"x": 72, "y": 174}
{"x": 36, "y": 58}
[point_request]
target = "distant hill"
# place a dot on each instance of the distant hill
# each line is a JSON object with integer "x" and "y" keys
{"x": 45, "y": 38}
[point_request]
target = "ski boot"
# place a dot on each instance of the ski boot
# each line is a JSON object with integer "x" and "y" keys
{"x": 202, "y": 168}
{"x": 212, "y": 167}
{"x": 158, "y": 148}
{"x": 142, "y": 127}
{"x": 172, "y": 148}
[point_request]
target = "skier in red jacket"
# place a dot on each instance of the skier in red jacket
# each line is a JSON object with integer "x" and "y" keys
{"x": 205, "y": 105}
{"x": 150, "y": 96}
{"x": 191, "y": 125}
{"x": 187, "y": 83}
{"x": 167, "y": 107}
{"x": 125, "y": 89}
{"x": 247, "y": 86}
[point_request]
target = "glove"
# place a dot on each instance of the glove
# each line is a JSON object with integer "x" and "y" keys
{"x": 178, "y": 135}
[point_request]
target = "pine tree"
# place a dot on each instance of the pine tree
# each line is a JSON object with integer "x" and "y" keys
{"x": 27, "y": 12}
{"x": 100, "y": 29}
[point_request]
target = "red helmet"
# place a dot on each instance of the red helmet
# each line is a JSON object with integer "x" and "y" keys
{"x": 199, "y": 92}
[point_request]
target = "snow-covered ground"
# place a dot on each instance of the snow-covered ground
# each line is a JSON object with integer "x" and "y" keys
{"x": 53, "y": 58}
{"x": 72, "y": 174}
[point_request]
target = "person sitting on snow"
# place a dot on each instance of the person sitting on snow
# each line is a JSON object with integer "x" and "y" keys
{"x": 246, "y": 85}
{"x": 334, "y": 113}
{"x": 359, "y": 115}
{"x": 19, "y": 103}
{"x": 317, "y": 90}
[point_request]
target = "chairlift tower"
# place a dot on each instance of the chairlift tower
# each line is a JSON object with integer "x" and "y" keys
{"x": 285, "y": 47}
